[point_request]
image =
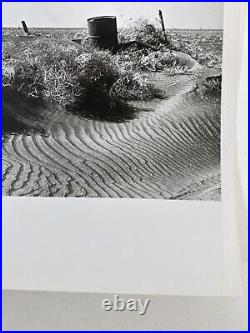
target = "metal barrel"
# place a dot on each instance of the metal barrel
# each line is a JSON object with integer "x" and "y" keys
{"x": 102, "y": 31}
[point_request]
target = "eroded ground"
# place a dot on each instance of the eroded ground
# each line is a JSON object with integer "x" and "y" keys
{"x": 166, "y": 149}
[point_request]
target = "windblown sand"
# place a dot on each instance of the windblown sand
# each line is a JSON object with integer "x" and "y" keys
{"x": 170, "y": 151}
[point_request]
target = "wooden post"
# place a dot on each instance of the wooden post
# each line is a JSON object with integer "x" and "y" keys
{"x": 163, "y": 26}
{"x": 25, "y": 28}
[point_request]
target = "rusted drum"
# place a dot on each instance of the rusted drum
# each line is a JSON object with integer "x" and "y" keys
{"x": 102, "y": 31}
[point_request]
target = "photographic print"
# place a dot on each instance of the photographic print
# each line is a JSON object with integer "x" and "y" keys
{"x": 112, "y": 100}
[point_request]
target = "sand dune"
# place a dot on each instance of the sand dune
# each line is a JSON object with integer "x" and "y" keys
{"x": 171, "y": 151}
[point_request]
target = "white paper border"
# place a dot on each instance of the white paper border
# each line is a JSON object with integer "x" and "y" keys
{"x": 132, "y": 245}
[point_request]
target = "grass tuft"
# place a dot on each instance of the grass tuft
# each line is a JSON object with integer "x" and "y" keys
{"x": 66, "y": 74}
{"x": 131, "y": 87}
{"x": 142, "y": 31}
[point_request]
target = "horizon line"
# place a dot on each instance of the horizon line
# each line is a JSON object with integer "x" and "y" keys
{"x": 19, "y": 27}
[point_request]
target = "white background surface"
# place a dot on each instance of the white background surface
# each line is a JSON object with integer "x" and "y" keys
{"x": 76, "y": 312}
{"x": 65, "y": 311}
{"x": 164, "y": 247}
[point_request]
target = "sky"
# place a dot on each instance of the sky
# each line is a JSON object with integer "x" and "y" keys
{"x": 190, "y": 15}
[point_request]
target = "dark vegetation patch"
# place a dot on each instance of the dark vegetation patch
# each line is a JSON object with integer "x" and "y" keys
{"x": 212, "y": 88}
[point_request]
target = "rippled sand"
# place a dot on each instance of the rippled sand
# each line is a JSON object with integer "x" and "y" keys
{"x": 170, "y": 151}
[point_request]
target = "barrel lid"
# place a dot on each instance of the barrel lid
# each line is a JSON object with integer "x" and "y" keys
{"x": 101, "y": 18}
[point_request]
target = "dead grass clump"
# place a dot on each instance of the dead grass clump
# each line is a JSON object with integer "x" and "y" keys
{"x": 60, "y": 74}
{"x": 213, "y": 86}
{"x": 7, "y": 74}
{"x": 149, "y": 61}
{"x": 57, "y": 71}
{"x": 142, "y": 31}
{"x": 24, "y": 76}
{"x": 45, "y": 69}
{"x": 134, "y": 87}
{"x": 197, "y": 46}
{"x": 157, "y": 61}
{"x": 194, "y": 47}
{"x": 97, "y": 68}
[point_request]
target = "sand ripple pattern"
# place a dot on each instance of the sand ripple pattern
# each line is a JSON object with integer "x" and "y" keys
{"x": 170, "y": 152}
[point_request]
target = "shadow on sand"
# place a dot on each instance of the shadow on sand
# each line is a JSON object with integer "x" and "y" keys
{"x": 99, "y": 105}
{"x": 23, "y": 115}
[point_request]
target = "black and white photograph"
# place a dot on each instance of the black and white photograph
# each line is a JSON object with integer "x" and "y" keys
{"x": 112, "y": 100}
{"x": 124, "y": 166}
